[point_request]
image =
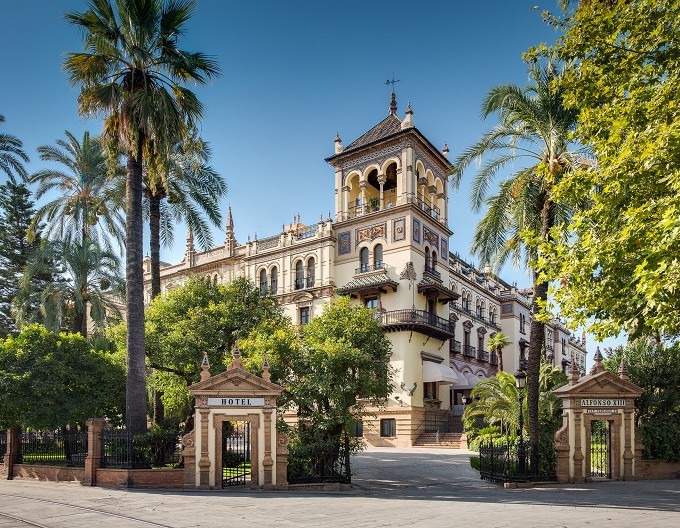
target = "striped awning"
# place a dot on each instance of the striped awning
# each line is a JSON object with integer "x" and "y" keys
{"x": 377, "y": 282}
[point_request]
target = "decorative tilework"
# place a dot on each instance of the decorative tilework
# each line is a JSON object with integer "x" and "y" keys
{"x": 416, "y": 231}
{"x": 371, "y": 233}
{"x": 430, "y": 236}
{"x": 444, "y": 249}
{"x": 399, "y": 229}
{"x": 344, "y": 243}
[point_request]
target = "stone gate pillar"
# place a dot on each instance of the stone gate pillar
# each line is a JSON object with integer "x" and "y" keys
{"x": 599, "y": 396}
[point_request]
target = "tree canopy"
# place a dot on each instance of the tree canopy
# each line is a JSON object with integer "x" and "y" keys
{"x": 335, "y": 367}
{"x": 48, "y": 380}
{"x": 196, "y": 318}
{"x": 615, "y": 264}
{"x": 654, "y": 367}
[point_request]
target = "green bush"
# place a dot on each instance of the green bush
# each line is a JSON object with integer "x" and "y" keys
{"x": 474, "y": 462}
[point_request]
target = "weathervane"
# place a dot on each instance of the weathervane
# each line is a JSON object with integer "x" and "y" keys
{"x": 392, "y": 82}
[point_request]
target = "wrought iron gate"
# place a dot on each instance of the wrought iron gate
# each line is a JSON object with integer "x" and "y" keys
{"x": 600, "y": 449}
{"x": 235, "y": 453}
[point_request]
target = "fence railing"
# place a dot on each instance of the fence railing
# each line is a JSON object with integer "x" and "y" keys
{"x": 443, "y": 421}
{"x": 55, "y": 448}
{"x": 314, "y": 464}
{"x": 121, "y": 450}
{"x": 510, "y": 462}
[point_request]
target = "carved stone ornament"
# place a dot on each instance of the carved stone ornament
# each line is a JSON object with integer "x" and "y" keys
{"x": 371, "y": 233}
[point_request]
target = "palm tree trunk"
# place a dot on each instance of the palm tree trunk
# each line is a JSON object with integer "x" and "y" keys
{"x": 135, "y": 397}
{"x": 80, "y": 323}
{"x": 155, "y": 243}
{"x": 499, "y": 353}
{"x": 536, "y": 342}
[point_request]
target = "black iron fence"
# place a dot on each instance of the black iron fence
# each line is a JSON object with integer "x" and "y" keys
{"x": 155, "y": 449}
{"x": 443, "y": 420}
{"x": 319, "y": 463}
{"x": 64, "y": 447}
{"x": 511, "y": 462}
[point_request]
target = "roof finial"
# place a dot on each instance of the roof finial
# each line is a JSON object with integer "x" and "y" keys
{"x": 393, "y": 97}
{"x": 205, "y": 367}
{"x": 266, "y": 375}
{"x": 623, "y": 370}
{"x": 598, "y": 366}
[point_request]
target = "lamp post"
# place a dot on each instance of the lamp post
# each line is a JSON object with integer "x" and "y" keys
{"x": 521, "y": 382}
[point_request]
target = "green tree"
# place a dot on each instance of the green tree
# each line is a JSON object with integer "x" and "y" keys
{"x": 49, "y": 380}
{"x": 195, "y": 318}
{"x": 90, "y": 285}
{"x": 12, "y": 156}
{"x": 332, "y": 370}
{"x": 497, "y": 342}
{"x": 615, "y": 264}
{"x": 16, "y": 212}
{"x": 533, "y": 134}
{"x": 654, "y": 367}
{"x": 88, "y": 204}
{"x": 134, "y": 73}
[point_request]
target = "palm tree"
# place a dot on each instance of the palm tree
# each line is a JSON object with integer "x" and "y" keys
{"x": 90, "y": 278}
{"x": 497, "y": 342}
{"x": 191, "y": 187}
{"x": 496, "y": 400}
{"x": 89, "y": 204}
{"x": 134, "y": 74}
{"x": 533, "y": 132}
{"x": 12, "y": 156}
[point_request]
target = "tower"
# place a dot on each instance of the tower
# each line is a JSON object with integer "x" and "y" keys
{"x": 392, "y": 250}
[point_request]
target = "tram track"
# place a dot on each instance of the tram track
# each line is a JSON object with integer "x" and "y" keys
{"x": 74, "y": 507}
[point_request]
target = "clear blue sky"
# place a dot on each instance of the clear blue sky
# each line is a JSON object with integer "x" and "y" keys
{"x": 294, "y": 74}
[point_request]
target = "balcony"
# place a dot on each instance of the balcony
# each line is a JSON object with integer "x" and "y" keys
{"x": 433, "y": 273}
{"x": 469, "y": 351}
{"x": 419, "y": 321}
{"x": 429, "y": 209}
{"x": 483, "y": 355}
{"x": 368, "y": 268}
{"x": 472, "y": 315}
{"x": 304, "y": 282}
{"x": 454, "y": 347}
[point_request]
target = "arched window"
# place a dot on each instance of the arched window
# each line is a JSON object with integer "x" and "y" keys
{"x": 363, "y": 259}
{"x": 311, "y": 264}
{"x": 263, "y": 282}
{"x": 433, "y": 259}
{"x": 274, "y": 277}
{"x": 378, "y": 256}
{"x": 299, "y": 275}
{"x": 427, "y": 257}
{"x": 522, "y": 323}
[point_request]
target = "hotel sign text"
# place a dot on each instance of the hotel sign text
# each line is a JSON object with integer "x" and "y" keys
{"x": 607, "y": 402}
{"x": 232, "y": 401}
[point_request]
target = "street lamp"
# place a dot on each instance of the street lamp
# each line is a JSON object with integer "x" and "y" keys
{"x": 521, "y": 382}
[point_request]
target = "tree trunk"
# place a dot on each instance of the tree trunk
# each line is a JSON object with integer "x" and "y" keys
{"x": 80, "y": 322}
{"x": 537, "y": 338}
{"x": 135, "y": 401}
{"x": 155, "y": 250}
{"x": 536, "y": 341}
{"x": 499, "y": 353}
{"x": 155, "y": 244}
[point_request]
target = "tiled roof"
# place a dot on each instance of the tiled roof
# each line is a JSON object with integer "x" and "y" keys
{"x": 387, "y": 127}
{"x": 445, "y": 294}
{"x": 380, "y": 280}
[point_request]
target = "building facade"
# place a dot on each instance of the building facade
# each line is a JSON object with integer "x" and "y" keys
{"x": 387, "y": 247}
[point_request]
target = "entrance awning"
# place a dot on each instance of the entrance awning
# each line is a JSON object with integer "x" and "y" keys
{"x": 466, "y": 380}
{"x": 438, "y": 372}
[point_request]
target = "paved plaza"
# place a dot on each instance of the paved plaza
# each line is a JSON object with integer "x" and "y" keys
{"x": 392, "y": 488}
